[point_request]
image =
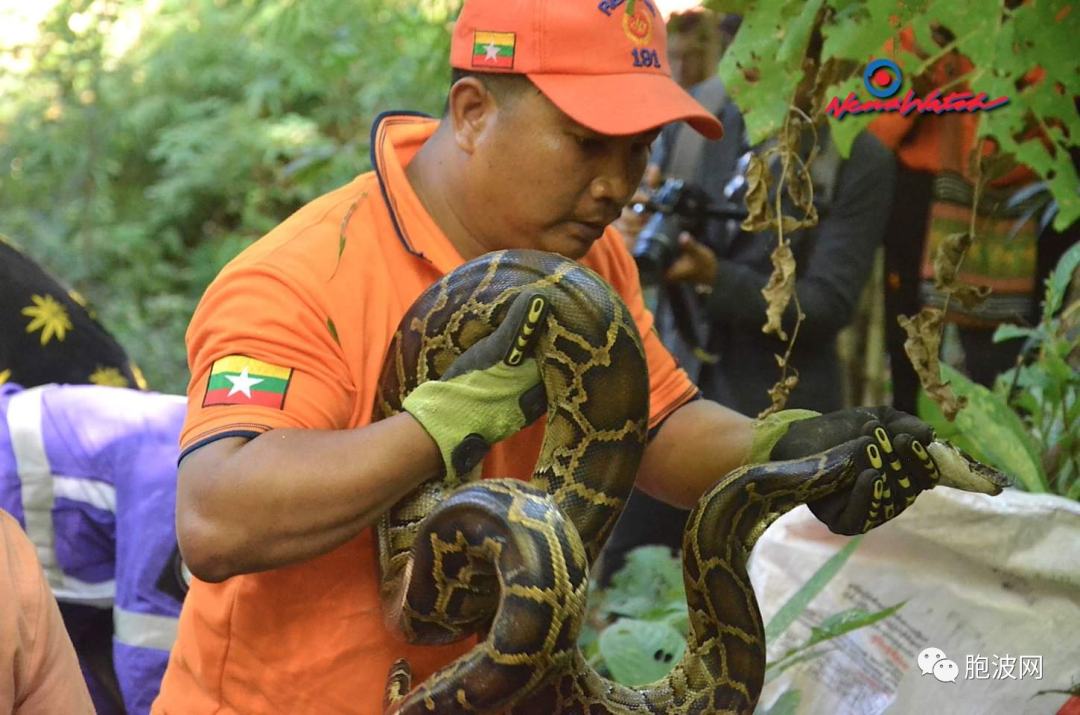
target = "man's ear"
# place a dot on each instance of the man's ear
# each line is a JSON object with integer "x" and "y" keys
{"x": 471, "y": 109}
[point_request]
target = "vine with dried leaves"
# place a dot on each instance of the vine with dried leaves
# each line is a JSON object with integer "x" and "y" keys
{"x": 794, "y": 178}
{"x": 766, "y": 62}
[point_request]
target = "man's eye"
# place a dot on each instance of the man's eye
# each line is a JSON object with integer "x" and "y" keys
{"x": 590, "y": 145}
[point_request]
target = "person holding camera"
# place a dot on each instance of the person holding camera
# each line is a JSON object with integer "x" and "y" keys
{"x": 706, "y": 274}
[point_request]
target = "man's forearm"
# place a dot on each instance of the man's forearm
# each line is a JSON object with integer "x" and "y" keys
{"x": 697, "y": 445}
{"x": 291, "y": 495}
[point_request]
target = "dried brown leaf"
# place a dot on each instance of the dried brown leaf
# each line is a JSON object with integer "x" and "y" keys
{"x": 758, "y": 180}
{"x": 968, "y": 295}
{"x": 947, "y": 259}
{"x": 780, "y": 289}
{"x": 800, "y": 187}
{"x": 780, "y": 392}
{"x": 922, "y": 346}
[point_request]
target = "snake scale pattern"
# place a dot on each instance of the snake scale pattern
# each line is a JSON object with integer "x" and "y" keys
{"x": 510, "y": 560}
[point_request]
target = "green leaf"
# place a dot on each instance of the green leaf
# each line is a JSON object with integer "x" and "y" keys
{"x": 787, "y": 704}
{"x": 775, "y": 670}
{"x": 858, "y": 30}
{"x": 1011, "y": 332}
{"x": 1059, "y": 370}
{"x": 838, "y": 624}
{"x": 651, "y": 578}
{"x": 734, "y": 7}
{"x": 976, "y": 25}
{"x": 1039, "y": 23}
{"x": 1025, "y": 401}
{"x": 798, "y": 602}
{"x": 1035, "y": 376}
{"x": 333, "y": 331}
{"x": 1058, "y": 284}
{"x": 846, "y": 128}
{"x": 996, "y": 432}
{"x": 1073, "y": 414}
{"x": 639, "y": 652}
{"x": 764, "y": 64}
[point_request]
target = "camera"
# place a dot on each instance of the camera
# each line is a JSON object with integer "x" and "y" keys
{"x": 678, "y": 206}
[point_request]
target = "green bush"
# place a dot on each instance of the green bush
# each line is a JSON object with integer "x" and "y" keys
{"x": 136, "y": 173}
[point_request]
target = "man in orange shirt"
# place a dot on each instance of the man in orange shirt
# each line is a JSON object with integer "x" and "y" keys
{"x": 546, "y": 134}
{"x": 39, "y": 672}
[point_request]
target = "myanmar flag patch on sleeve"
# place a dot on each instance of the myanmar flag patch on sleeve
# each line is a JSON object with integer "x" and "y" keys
{"x": 240, "y": 380}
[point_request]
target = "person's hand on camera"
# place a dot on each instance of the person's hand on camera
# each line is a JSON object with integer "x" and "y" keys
{"x": 696, "y": 263}
{"x": 630, "y": 222}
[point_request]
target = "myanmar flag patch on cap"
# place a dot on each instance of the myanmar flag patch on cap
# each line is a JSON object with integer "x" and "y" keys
{"x": 240, "y": 380}
{"x": 494, "y": 50}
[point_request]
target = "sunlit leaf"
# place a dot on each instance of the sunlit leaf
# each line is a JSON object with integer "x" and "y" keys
{"x": 639, "y": 652}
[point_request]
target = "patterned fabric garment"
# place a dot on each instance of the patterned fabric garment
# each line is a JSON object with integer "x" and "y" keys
{"x": 90, "y": 474}
{"x": 49, "y": 335}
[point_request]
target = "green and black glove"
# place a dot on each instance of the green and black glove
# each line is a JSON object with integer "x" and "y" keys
{"x": 898, "y": 467}
{"x": 490, "y": 392}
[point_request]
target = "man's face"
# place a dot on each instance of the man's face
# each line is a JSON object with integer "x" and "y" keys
{"x": 541, "y": 180}
{"x": 686, "y": 59}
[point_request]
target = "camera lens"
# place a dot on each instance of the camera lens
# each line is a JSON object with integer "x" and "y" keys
{"x": 656, "y": 247}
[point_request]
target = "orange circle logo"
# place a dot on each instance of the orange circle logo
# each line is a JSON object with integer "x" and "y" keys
{"x": 638, "y": 27}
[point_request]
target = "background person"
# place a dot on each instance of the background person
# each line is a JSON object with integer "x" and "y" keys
{"x": 39, "y": 672}
{"x": 1014, "y": 251}
{"x": 730, "y": 267}
{"x": 90, "y": 473}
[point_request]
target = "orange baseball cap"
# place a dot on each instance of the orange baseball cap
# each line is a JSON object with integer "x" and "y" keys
{"x": 602, "y": 62}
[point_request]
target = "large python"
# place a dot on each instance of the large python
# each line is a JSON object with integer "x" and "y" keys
{"x": 510, "y": 560}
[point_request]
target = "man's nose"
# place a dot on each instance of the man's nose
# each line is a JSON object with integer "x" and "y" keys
{"x": 616, "y": 181}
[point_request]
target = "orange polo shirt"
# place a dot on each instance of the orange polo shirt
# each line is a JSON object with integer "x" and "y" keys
{"x": 299, "y": 323}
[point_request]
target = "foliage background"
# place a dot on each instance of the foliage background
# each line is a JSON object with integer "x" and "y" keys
{"x": 143, "y": 143}
{"x": 149, "y": 141}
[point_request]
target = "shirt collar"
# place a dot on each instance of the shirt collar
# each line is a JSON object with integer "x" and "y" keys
{"x": 396, "y": 137}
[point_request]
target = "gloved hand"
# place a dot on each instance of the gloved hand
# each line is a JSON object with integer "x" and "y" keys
{"x": 899, "y": 467}
{"x": 490, "y": 392}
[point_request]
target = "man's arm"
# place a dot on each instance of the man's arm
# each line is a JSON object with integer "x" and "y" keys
{"x": 695, "y": 446}
{"x": 290, "y": 495}
{"x": 702, "y": 441}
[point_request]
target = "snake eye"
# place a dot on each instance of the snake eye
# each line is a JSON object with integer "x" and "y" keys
{"x": 883, "y": 439}
{"x": 875, "y": 456}
{"x": 918, "y": 449}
